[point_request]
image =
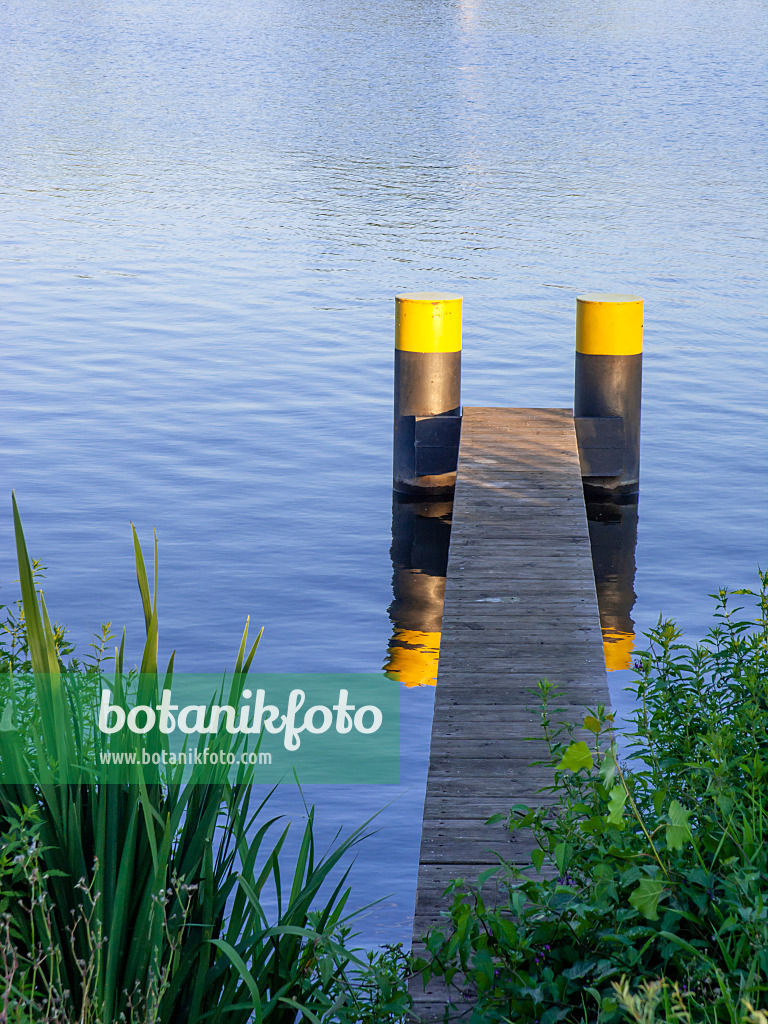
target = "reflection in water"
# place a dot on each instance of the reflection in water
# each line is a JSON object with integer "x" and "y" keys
{"x": 467, "y": 20}
{"x": 613, "y": 537}
{"x": 421, "y": 532}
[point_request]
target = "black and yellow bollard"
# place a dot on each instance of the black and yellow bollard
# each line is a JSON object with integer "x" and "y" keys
{"x": 427, "y": 393}
{"x": 609, "y": 363}
{"x": 421, "y": 533}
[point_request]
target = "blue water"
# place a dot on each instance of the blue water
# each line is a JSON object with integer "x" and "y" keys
{"x": 207, "y": 210}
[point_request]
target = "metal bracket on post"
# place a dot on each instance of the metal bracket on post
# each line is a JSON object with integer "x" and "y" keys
{"x": 436, "y": 444}
{"x": 601, "y": 444}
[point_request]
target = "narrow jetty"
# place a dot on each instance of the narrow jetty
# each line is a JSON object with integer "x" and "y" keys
{"x": 520, "y": 605}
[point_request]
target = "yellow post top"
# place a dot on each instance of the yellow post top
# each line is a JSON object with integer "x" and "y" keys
{"x": 609, "y": 325}
{"x": 428, "y": 322}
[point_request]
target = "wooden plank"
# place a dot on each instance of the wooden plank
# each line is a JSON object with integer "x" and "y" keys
{"x": 488, "y": 571}
{"x": 543, "y": 659}
{"x": 466, "y": 719}
{"x": 437, "y": 805}
{"x": 450, "y": 765}
{"x": 517, "y": 589}
{"x": 575, "y": 630}
{"x": 502, "y": 790}
{"x": 508, "y": 619}
{"x": 522, "y": 683}
{"x": 520, "y": 605}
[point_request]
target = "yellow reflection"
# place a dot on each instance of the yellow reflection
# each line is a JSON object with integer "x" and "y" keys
{"x": 613, "y": 537}
{"x": 412, "y": 657}
{"x": 618, "y": 649}
{"x": 420, "y": 536}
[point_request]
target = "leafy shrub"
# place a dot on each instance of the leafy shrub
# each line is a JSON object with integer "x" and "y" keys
{"x": 656, "y": 870}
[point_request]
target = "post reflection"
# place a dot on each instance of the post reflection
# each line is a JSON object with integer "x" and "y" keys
{"x": 613, "y": 538}
{"x": 421, "y": 532}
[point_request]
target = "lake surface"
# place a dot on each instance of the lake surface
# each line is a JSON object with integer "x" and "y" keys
{"x": 207, "y": 210}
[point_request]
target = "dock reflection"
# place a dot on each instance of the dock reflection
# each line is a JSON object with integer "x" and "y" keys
{"x": 421, "y": 533}
{"x": 613, "y": 539}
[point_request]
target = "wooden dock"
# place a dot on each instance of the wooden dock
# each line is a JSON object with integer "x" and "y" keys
{"x": 520, "y": 605}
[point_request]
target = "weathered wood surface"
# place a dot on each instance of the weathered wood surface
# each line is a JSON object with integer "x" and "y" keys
{"x": 520, "y": 605}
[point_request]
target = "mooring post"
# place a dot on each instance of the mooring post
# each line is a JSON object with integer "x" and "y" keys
{"x": 606, "y": 408}
{"x": 427, "y": 393}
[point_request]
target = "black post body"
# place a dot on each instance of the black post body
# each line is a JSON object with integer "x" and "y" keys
{"x": 427, "y": 422}
{"x": 609, "y": 387}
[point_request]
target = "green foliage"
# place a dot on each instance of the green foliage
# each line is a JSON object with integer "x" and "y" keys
{"x": 14, "y": 646}
{"x": 374, "y": 991}
{"x": 656, "y": 871}
{"x": 659, "y": 1002}
{"x": 146, "y": 903}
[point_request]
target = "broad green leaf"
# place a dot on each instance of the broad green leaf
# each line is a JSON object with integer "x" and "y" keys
{"x": 608, "y": 766}
{"x": 537, "y": 858}
{"x": 645, "y": 897}
{"x": 554, "y": 1014}
{"x": 593, "y": 825}
{"x": 577, "y": 756}
{"x": 593, "y": 724}
{"x": 616, "y": 801}
{"x": 579, "y": 970}
{"x": 678, "y": 831}
{"x": 563, "y": 853}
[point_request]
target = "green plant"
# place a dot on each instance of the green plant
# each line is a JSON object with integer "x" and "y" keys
{"x": 375, "y": 990}
{"x": 34, "y": 979}
{"x": 656, "y": 869}
{"x": 144, "y": 903}
{"x": 659, "y": 1002}
{"x": 14, "y": 646}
